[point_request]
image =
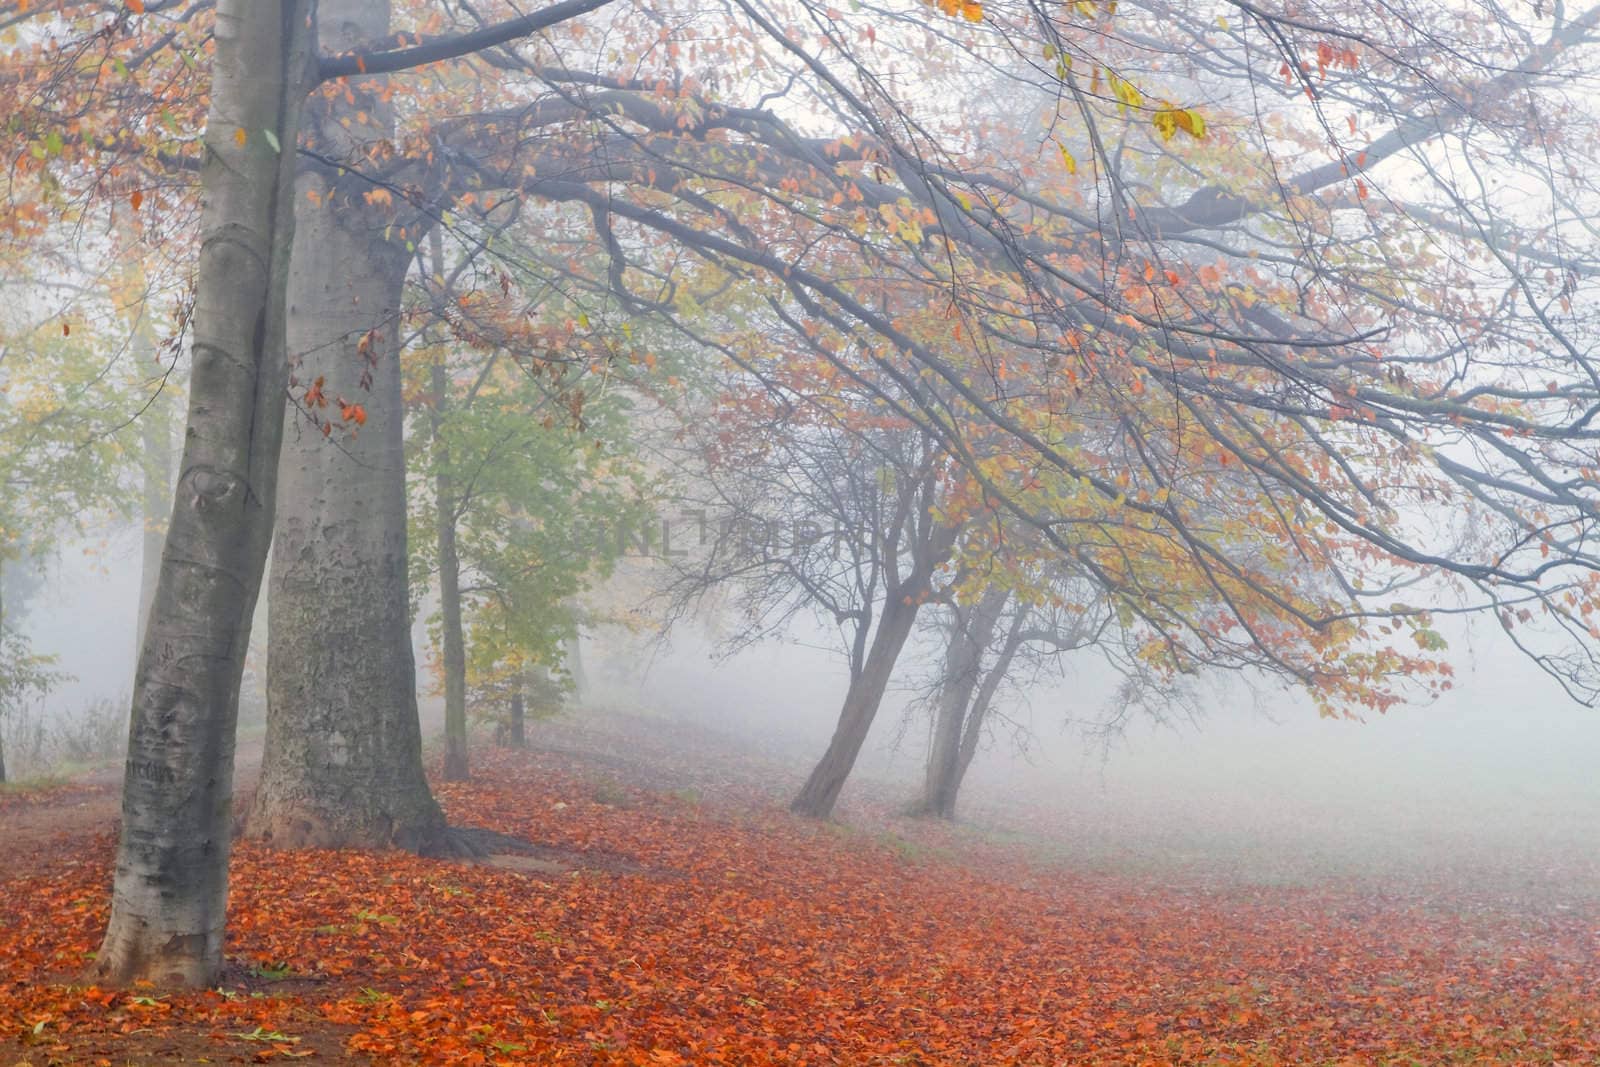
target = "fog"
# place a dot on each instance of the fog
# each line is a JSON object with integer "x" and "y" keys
{"x": 1493, "y": 786}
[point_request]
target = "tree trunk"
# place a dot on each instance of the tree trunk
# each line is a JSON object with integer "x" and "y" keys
{"x": 155, "y": 432}
{"x": 342, "y": 765}
{"x": 969, "y": 640}
{"x": 170, "y": 887}
{"x": 519, "y": 717}
{"x": 2, "y": 651}
{"x": 861, "y": 701}
{"x": 451, "y": 637}
{"x": 981, "y": 702}
{"x": 572, "y": 650}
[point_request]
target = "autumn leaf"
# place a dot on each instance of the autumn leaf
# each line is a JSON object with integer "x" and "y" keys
{"x": 1068, "y": 158}
{"x": 982, "y": 954}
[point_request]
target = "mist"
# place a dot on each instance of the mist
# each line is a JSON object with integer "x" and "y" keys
{"x": 927, "y": 532}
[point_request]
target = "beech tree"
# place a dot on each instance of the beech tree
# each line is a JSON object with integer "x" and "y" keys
{"x": 170, "y": 892}
{"x": 169, "y": 896}
{"x": 342, "y": 764}
{"x": 1295, "y": 279}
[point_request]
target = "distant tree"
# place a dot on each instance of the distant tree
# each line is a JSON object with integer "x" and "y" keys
{"x": 68, "y": 401}
{"x": 999, "y": 643}
{"x": 522, "y": 462}
{"x": 834, "y": 511}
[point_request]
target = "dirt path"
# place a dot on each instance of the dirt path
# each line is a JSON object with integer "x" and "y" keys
{"x": 35, "y": 825}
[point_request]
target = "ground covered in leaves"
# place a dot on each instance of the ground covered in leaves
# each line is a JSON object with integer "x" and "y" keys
{"x": 659, "y": 923}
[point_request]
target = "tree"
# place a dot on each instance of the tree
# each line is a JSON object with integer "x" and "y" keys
{"x": 169, "y": 896}
{"x": 66, "y": 400}
{"x": 987, "y": 647}
{"x": 523, "y": 461}
{"x": 1339, "y": 336}
{"x": 833, "y": 509}
{"x": 965, "y": 692}
{"x": 342, "y": 764}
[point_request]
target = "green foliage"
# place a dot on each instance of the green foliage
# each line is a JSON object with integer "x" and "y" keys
{"x": 67, "y": 452}
{"x": 540, "y": 470}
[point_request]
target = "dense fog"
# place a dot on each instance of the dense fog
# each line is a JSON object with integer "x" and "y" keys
{"x": 1492, "y": 786}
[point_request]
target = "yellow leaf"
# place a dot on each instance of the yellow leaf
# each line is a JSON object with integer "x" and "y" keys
{"x": 1066, "y": 157}
{"x": 240, "y": 136}
{"x": 1192, "y": 123}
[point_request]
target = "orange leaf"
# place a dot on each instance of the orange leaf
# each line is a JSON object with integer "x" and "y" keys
{"x": 135, "y": 198}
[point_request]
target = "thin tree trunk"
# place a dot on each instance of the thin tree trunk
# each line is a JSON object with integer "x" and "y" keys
{"x": 342, "y": 765}
{"x": 2, "y": 650}
{"x": 451, "y": 637}
{"x": 519, "y": 716}
{"x": 822, "y": 788}
{"x": 170, "y": 887}
{"x": 981, "y": 703}
{"x": 969, "y": 640}
{"x": 155, "y": 432}
{"x": 572, "y": 648}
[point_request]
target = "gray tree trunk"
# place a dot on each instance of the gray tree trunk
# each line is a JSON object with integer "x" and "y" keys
{"x": 969, "y": 640}
{"x": 519, "y": 717}
{"x": 342, "y": 765}
{"x": 452, "y": 639}
{"x": 2, "y": 647}
{"x": 572, "y": 649}
{"x": 170, "y": 887}
{"x": 861, "y": 701}
{"x": 984, "y": 700}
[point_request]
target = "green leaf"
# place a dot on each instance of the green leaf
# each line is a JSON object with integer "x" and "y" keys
{"x": 272, "y": 140}
{"x": 263, "y": 1034}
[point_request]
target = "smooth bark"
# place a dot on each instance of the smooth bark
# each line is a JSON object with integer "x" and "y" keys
{"x": 170, "y": 887}
{"x": 155, "y": 462}
{"x": 342, "y": 765}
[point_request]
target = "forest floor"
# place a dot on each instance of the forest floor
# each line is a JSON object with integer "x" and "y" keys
{"x": 670, "y": 911}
